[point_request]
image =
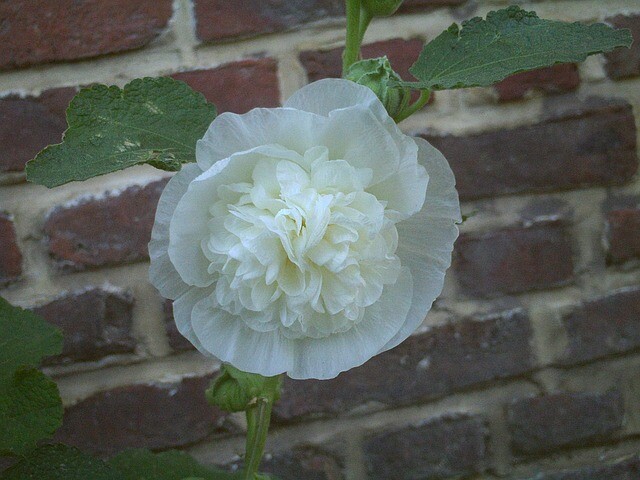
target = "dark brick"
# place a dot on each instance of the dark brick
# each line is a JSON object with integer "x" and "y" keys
{"x": 309, "y": 463}
{"x": 98, "y": 232}
{"x": 255, "y": 84}
{"x": 606, "y": 326}
{"x": 141, "y": 416}
{"x": 444, "y": 360}
{"x": 625, "y": 62}
{"x": 624, "y": 469}
{"x": 40, "y": 31}
{"x": 220, "y": 20}
{"x": 95, "y": 323}
{"x": 29, "y": 124}
{"x": 409, "y": 6}
{"x": 557, "y": 79}
{"x": 514, "y": 260}
{"x": 10, "y": 255}
{"x": 442, "y": 448}
{"x": 592, "y": 143}
{"x": 328, "y": 63}
{"x": 544, "y": 424}
{"x": 623, "y": 235}
{"x": 176, "y": 341}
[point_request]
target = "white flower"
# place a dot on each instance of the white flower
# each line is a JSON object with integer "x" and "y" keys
{"x": 301, "y": 241}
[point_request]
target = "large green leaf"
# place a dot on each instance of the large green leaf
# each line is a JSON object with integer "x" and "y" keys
{"x": 171, "y": 465}
{"x": 30, "y": 405}
{"x": 509, "y": 41}
{"x": 152, "y": 120}
{"x": 60, "y": 462}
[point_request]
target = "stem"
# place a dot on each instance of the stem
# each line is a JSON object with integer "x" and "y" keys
{"x": 414, "y": 107}
{"x": 352, "y": 45}
{"x": 363, "y": 24}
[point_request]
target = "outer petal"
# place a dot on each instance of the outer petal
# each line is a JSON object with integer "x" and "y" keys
{"x": 162, "y": 273}
{"x": 325, "y": 358}
{"x": 182, "y": 314}
{"x": 426, "y": 239}
{"x": 228, "y": 338}
{"x": 231, "y": 133}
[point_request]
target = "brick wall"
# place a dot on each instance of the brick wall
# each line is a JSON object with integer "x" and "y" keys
{"x": 527, "y": 367}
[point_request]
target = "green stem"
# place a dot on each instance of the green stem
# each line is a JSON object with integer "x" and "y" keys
{"x": 414, "y": 107}
{"x": 353, "y": 38}
{"x": 363, "y": 24}
{"x": 258, "y": 420}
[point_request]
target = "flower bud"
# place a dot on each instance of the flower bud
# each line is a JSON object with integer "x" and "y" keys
{"x": 376, "y": 73}
{"x": 381, "y": 8}
{"x": 233, "y": 390}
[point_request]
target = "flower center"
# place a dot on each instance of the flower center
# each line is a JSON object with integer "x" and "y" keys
{"x": 302, "y": 247}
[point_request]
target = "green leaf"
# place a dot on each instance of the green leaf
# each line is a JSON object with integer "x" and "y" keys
{"x": 152, "y": 120}
{"x": 172, "y": 465}
{"x": 59, "y": 462}
{"x": 30, "y": 410}
{"x": 509, "y": 41}
{"x": 26, "y": 338}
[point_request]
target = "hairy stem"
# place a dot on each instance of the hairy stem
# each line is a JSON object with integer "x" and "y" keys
{"x": 352, "y": 46}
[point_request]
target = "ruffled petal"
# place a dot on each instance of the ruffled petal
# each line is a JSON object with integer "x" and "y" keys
{"x": 183, "y": 310}
{"x": 325, "y": 358}
{"x": 162, "y": 273}
{"x": 426, "y": 239}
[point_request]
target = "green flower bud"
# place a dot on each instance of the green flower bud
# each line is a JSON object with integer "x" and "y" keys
{"x": 376, "y": 73}
{"x": 234, "y": 391}
{"x": 381, "y": 8}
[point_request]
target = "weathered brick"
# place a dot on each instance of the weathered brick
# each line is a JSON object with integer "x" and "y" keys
{"x": 623, "y": 235}
{"x": 95, "y": 323}
{"x": 625, "y": 62}
{"x": 155, "y": 416}
{"x": 110, "y": 230}
{"x": 10, "y": 255}
{"x": 328, "y": 63}
{"x": 29, "y": 124}
{"x": 176, "y": 341}
{"x": 444, "y": 360}
{"x": 607, "y": 326}
{"x": 220, "y": 20}
{"x": 443, "y": 448}
{"x": 255, "y": 84}
{"x": 40, "y": 31}
{"x": 309, "y": 463}
{"x": 591, "y": 143}
{"x": 514, "y": 260}
{"x": 543, "y": 424}
{"x": 556, "y": 79}
{"x": 623, "y": 469}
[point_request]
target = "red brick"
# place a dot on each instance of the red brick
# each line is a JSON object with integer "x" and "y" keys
{"x": 443, "y": 448}
{"x": 95, "y": 323}
{"x": 606, "y": 326}
{"x": 625, "y": 62}
{"x": 98, "y": 232}
{"x": 156, "y": 416}
{"x": 623, "y": 469}
{"x": 29, "y": 124}
{"x": 239, "y": 86}
{"x": 41, "y": 31}
{"x": 557, "y": 79}
{"x": 220, "y": 20}
{"x": 623, "y": 235}
{"x": 544, "y": 424}
{"x": 514, "y": 260}
{"x": 445, "y": 360}
{"x": 176, "y": 341}
{"x": 591, "y": 143}
{"x": 10, "y": 255}
{"x": 328, "y": 63}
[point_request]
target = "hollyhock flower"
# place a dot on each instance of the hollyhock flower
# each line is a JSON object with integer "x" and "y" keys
{"x": 306, "y": 239}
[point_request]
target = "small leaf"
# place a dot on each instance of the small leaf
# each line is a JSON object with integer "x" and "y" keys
{"x": 509, "y": 41}
{"x": 152, "y": 120}
{"x": 59, "y": 462}
{"x": 172, "y": 465}
{"x": 30, "y": 410}
{"x": 26, "y": 339}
